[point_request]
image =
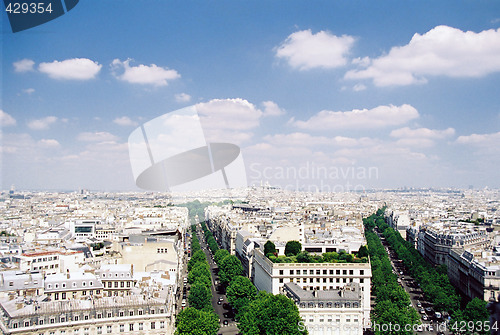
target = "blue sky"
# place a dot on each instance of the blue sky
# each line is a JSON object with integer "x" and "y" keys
{"x": 408, "y": 89}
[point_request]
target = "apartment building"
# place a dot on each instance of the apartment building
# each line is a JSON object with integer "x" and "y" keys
{"x": 333, "y": 312}
{"x": 49, "y": 261}
{"x": 271, "y": 277}
{"x": 109, "y": 315}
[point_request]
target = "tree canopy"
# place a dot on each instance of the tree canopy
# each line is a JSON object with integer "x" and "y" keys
{"x": 191, "y": 321}
{"x": 271, "y": 314}
{"x": 241, "y": 292}
{"x": 229, "y": 267}
{"x": 269, "y": 248}
{"x": 292, "y": 248}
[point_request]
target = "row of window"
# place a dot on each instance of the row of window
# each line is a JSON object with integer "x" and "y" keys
{"x": 109, "y": 328}
{"x": 45, "y": 259}
{"x": 320, "y": 280}
{"x": 329, "y": 305}
{"x": 85, "y": 317}
{"x": 324, "y": 272}
{"x": 52, "y": 266}
{"x": 331, "y": 318}
{"x": 73, "y": 284}
{"x": 110, "y": 275}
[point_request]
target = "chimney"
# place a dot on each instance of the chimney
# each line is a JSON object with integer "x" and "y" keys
{"x": 67, "y": 273}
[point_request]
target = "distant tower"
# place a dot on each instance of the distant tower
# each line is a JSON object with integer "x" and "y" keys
{"x": 12, "y": 189}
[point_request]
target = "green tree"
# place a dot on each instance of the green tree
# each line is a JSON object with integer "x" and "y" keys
{"x": 220, "y": 254}
{"x": 292, "y": 248}
{"x": 200, "y": 296}
{"x": 229, "y": 267}
{"x": 241, "y": 292}
{"x": 363, "y": 251}
{"x": 269, "y": 248}
{"x": 201, "y": 271}
{"x": 271, "y": 314}
{"x": 304, "y": 257}
{"x": 198, "y": 256}
{"x": 191, "y": 321}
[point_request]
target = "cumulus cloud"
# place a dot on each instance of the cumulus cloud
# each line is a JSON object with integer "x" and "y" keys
{"x": 48, "y": 143}
{"x": 6, "y": 120}
{"x": 304, "y": 50}
{"x": 480, "y": 139}
{"x": 143, "y": 74}
{"x": 377, "y": 117}
{"x": 43, "y": 123}
{"x": 228, "y": 120}
{"x": 124, "y": 121}
{"x": 304, "y": 139}
{"x": 182, "y": 97}
{"x": 96, "y": 137}
{"x": 24, "y": 65}
{"x": 442, "y": 51}
{"x": 272, "y": 109}
{"x": 420, "y": 137}
{"x": 71, "y": 69}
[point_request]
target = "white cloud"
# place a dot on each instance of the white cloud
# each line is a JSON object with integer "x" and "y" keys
{"x": 124, "y": 121}
{"x": 304, "y": 50}
{"x": 442, "y": 51}
{"x": 143, "y": 74}
{"x": 359, "y": 87}
{"x": 24, "y": 65}
{"x": 377, "y": 117}
{"x": 71, "y": 69}
{"x": 29, "y": 90}
{"x": 272, "y": 109}
{"x": 228, "y": 120}
{"x": 480, "y": 139}
{"x": 48, "y": 143}
{"x": 422, "y": 133}
{"x": 303, "y": 139}
{"x": 96, "y": 137}
{"x": 182, "y": 97}
{"x": 6, "y": 120}
{"x": 43, "y": 123}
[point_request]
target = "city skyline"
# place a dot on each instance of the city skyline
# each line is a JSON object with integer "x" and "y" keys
{"x": 374, "y": 94}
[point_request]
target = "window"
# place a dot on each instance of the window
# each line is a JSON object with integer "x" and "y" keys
{"x": 84, "y": 284}
{"x": 128, "y": 284}
{"x": 152, "y": 311}
{"x": 311, "y": 272}
{"x": 110, "y": 314}
{"x": 291, "y": 272}
{"x": 351, "y": 272}
{"x": 298, "y": 272}
{"x": 26, "y": 323}
{"x": 52, "y": 320}
{"x": 86, "y": 317}
{"x": 131, "y": 327}
{"x": 131, "y": 313}
{"x": 337, "y": 272}
{"x": 331, "y": 272}
{"x": 324, "y": 272}
{"x": 281, "y": 280}
{"x": 63, "y": 295}
{"x": 140, "y": 312}
{"x": 344, "y": 272}
{"x": 121, "y": 313}
{"x": 99, "y": 316}
{"x": 86, "y": 331}
{"x": 141, "y": 326}
{"x": 122, "y": 328}
{"x": 362, "y": 280}
{"x": 318, "y": 272}
{"x": 84, "y": 292}
{"x": 40, "y": 322}
{"x": 361, "y": 272}
{"x": 109, "y": 329}
{"x": 63, "y": 285}
{"x": 99, "y": 329}
{"x": 281, "y": 272}
{"x": 153, "y": 325}
{"x": 75, "y": 318}
{"x": 162, "y": 324}
{"x": 122, "y": 284}
{"x": 63, "y": 319}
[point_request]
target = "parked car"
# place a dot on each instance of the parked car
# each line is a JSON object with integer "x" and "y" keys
{"x": 183, "y": 304}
